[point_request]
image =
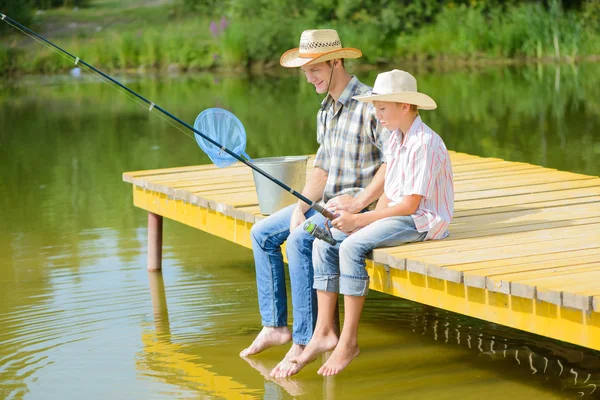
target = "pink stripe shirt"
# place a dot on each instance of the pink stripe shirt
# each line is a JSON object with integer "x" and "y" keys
{"x": 418, "y": 163}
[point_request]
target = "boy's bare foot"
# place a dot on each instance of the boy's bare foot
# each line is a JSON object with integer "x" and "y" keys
{"x": 269, "y": 336}
{"x": 286, "y": 368}
{"x": 340, "y": 359}
{"x": 318, "y": 344}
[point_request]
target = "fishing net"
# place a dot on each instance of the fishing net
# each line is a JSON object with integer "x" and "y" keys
{"x": 224, "y": 128}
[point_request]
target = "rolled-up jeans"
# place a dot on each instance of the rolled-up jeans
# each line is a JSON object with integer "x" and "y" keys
{"x": 267, "y": 237}
{"x": 341, "y": 268}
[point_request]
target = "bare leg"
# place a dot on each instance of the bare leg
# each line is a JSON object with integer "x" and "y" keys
{"x": 347, "y": 348}
{"x": 269, "y": 336}
{"x": 324, "y": 337}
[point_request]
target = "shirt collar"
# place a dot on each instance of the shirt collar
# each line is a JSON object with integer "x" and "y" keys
{"x": 402, "y": 139}
{"x": 346, "y": 95}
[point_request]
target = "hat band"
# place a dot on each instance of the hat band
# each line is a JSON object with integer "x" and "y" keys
{"x": 314, "y": 55}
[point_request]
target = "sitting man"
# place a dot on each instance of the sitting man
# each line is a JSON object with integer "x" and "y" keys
{"x": 347, "y": 176}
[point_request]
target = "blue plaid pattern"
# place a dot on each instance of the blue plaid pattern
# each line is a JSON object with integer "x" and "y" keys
{"x": 351, "y": 141}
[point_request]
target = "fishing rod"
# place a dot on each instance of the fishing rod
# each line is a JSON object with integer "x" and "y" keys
{"x": 320, "y": 209}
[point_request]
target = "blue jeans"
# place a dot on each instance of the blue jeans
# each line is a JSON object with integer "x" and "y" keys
{"x": 341, "y": 268}
{"x": 267, "y": 237}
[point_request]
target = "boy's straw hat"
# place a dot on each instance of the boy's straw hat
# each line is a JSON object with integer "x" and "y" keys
{"x": 317, "y": 46}
{"x": 398, "y": 87}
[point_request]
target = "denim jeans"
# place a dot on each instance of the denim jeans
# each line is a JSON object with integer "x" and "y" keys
{"x": 341, "y": 268}
{"x": 267, "y": 237}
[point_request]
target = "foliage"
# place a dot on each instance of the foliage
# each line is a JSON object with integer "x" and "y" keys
{"x": 47, "y": 4}
{"x": 236, "y": 34}
{"x": 17, "y": 10}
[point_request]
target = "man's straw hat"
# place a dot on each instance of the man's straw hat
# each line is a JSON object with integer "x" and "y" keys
{"x": 398, "y": 87}
{"x": 317, "y": 46}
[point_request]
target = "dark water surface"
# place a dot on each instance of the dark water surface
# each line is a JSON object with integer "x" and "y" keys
{"x": 81, "y": 318}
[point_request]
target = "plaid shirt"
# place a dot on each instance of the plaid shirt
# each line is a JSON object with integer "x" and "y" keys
{"x": 351, "y": 142}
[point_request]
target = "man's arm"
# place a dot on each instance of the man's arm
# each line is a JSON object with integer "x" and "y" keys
{"x": 313, "y": 189}
{"x": 355, "y": 204}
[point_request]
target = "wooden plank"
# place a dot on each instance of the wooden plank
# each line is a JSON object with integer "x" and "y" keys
{"x": 525, "y": 199}
{"x": 439, "y": 264}
{"x": 489, "y": 167}
{"x": 501, "y": 282}
{"x": 458, "y": 245}
{"x": 482, "y": 184}
{"x": 461, "y": 212}
{"x": 530, "y": 189}
{"x": 550, "y": 289}
{"x": 129, "y": 176}
{"x": 498, "y": 174}
{"x": 494, "y": 275}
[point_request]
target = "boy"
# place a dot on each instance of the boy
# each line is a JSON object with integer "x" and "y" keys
{"x": 417, "y": 204}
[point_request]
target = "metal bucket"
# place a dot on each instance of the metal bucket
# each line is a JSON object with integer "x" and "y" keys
{"x": 289, "y": 170}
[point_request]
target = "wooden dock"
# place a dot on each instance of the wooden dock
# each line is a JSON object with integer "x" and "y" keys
{"x": 523, "y": 251}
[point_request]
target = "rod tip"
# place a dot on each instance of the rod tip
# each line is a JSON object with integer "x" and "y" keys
{"x": 3, "y": 16}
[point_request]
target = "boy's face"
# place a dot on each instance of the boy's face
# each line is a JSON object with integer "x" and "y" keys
{"x": 319, "y": 75}
{"x": 389, "y": 114}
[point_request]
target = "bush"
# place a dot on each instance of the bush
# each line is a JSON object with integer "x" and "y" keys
{"x": 20, "y": 11}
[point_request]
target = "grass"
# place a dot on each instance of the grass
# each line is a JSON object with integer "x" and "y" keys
{"x": 156, "y": 35}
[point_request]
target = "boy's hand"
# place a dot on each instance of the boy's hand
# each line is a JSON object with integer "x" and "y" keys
{"x": 343, "y": 203}
{"x": 346, "y": 222}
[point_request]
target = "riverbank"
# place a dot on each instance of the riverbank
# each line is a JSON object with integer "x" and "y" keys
{"x": 161, "y": 36}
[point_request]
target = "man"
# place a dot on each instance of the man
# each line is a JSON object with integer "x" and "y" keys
{"x": 345, "y": 177}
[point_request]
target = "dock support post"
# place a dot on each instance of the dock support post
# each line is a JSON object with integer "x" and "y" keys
{"x": 155, "y": 229}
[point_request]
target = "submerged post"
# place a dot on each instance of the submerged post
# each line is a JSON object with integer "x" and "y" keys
{"x": 155, "y": 227}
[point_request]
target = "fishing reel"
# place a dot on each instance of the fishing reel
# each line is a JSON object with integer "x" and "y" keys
{"x": 320, "y": 233}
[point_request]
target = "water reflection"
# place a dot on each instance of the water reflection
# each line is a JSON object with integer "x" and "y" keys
{"x": 168, "y": 360}
{"x": 548, "y": 363}
{"x": 74, "y": 301}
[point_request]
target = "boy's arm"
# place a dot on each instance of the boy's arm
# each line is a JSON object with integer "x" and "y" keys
{"x": 408, "y": 206}
{"x": 348, "y": 223}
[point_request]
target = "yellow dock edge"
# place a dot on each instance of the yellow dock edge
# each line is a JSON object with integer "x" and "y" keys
{"x": 530, "y": 315}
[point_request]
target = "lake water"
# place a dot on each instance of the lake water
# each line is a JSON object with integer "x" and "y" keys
{"x": 80, "y": 317}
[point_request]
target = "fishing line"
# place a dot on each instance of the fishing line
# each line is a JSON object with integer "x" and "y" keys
{"x": 153, "y": 106}
{"x": 97, "y": 77}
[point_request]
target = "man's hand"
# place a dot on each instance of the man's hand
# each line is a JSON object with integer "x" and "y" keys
{"x": 297, "y": 218}
{"x": 343, "y": 203}
{"x": 346, "y": 222}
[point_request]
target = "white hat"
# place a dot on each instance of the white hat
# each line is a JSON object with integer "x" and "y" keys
{"x": 398, "y": 87}
{"x": 317, "y": 46}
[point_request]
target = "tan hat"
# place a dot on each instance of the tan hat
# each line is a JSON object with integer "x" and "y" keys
{"x": 398, "y": 87}
{"x": 317, "y": 45}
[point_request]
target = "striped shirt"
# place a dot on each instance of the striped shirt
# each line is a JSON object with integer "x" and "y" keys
{"x": 418, "y": 163}
{"x": 351, "y": 142}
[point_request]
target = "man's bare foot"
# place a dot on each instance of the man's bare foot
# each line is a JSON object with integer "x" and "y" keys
{"x": 340, "y": 358}
{"x": 320, "y": 343}
{"x": 286, "y": 368}
{"x": 269, "y": 336}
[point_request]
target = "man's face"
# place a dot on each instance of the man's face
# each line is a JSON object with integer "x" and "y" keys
{"x": 318, "y": 75}
{"x": 389, "y": 114}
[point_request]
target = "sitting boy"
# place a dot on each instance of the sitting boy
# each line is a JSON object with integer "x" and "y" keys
{"x": 417, "y": 204}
